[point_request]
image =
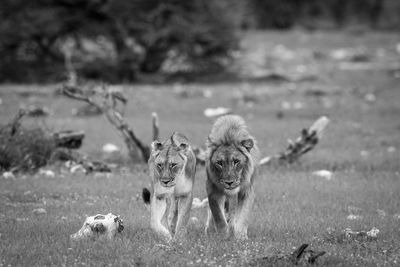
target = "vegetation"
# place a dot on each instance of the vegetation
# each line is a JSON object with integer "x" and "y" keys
{"x": 24, "y": 149}
{"x": 360, "y": 146}
{"x": 110, "y": 40}
{"x": 120, "y": 41}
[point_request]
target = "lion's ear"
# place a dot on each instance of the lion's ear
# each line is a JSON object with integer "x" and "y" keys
{"x": 156, "y": 146}
{"x": 248, "y": 144}
{"x": 209, "y": 142}
{"x": 183, "y": 147}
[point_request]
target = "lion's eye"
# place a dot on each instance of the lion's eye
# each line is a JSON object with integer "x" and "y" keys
{"x": 159, "y": 166}
{"x": 236, "y": 161}
{"x": 172, "y": 165}
{"x": 219, "y": 163}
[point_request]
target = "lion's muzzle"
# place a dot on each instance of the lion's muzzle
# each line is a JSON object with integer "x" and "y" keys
{"x": 167, "y": 181}
{"x": 230, "y": 184}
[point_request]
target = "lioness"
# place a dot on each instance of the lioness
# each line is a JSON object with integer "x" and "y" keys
{"x": 172, "y": 167}
{"x": 231, "y": 162}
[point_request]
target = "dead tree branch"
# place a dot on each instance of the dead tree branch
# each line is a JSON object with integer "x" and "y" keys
{"x": 13, "y": 126}
{"x": 107, "y": 101}
{"x": 306, "y": 142}
{"x": 156, "y": 126}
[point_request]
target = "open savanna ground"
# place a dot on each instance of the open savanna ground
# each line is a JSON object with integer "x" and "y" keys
{"x": 360, "y": 146}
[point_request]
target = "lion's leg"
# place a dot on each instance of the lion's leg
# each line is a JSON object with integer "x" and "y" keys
{"x": 210, "y": 224}
{"x": 172, "y": 214}
{"x": 184, "y": 206}
{"x": 240, "y": 218}
{"x": 216, "y": 201}
{"x": 158, "y": 209}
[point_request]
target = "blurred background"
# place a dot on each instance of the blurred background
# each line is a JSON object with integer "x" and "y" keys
{"x": 151, "y": 40}
{"x": 80, "y": 79}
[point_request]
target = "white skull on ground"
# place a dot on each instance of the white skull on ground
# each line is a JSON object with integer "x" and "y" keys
{"x": 100, "y": 226}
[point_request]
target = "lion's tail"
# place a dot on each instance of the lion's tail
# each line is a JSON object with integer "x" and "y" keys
{"x": 146, "y": 196}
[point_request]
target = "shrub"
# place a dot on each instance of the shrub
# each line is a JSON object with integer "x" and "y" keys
{"x": 128, "y": 36}
{"x": 25, "y": 150}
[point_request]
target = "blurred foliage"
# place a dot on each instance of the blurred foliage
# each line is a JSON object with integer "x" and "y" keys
{"x": 115, "y": 40}
{"x": 26, "y": 149}
{"x": 110, "y": 39}
{"x": 328, "y": 13}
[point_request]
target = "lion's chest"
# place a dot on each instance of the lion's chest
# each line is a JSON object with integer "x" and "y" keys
{"x": 183, "y": 185}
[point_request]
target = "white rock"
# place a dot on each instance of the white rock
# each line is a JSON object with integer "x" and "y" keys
{"x": 8, "y": 175}
{"x": 391, "y": 149}
{"x": 197, "y": 203}
{"x": 324, "y": 174}
{"x": 373, "y": 232}
{"x": 286, "y": 105}
{"x": 77, "y": 168}
{"x": 264, "y": 160}
{"x": 298, "y": 105}
{"x": 339, "y": 54}
{"x": 39, "y": 211}
{"x": 110, "y": 148}
{"x": 207, "y": 93}
{"x": 99, "y": 226}
{"x": 214, "y": 112}
{"x": 47, "y": 173}
{"x": 354, "y": 217}
{"x": 370, "y": 97}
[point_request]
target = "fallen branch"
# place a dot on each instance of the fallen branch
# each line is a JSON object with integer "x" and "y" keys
{"x": 69, "y": 139}
{"x": 15, "y": 123}
{"x": 306, "y": 142}
{"x": 107, "y": 101}
{"x": 156, "y": 126}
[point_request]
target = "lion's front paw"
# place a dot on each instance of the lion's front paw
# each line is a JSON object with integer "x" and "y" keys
{"x": 224, "y": 231}
{"x": 240, "y": 234}
{"x": 209, "y": 230}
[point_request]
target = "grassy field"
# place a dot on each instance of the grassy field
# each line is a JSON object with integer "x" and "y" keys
{"x": 361, "y": 147}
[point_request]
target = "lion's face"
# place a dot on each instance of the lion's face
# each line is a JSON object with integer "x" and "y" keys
{"x": 228, "y": 163}
{"x": 169, "y": 163}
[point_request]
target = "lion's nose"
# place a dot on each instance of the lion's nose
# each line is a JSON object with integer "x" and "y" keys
{"x": 167, "y": 181}
{"x": 229, "y": 183}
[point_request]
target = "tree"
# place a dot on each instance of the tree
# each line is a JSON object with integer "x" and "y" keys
{"x": 142, "y": 32}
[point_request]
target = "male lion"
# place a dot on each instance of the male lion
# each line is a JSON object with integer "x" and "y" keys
{"x": 172, "y": 167}
{"x": 231, "y": 162}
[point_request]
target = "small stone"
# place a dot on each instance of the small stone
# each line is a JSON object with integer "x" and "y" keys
{"x": 8, "y": 175}
{"x": 370, "y": 98}
{"x": 39, "y": 211}
{"x": 391, "y": 149}
{"x": 110, "y": 148}
{"x": 207, "y": 93}
{"x": 354, "y": 217}
{"x": 215, "y": 112}
{"x": 373, "y": 232}
{"x": 324, "y": 174}
{"x": 47, "y": 173}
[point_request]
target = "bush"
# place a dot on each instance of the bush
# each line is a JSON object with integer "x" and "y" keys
{"x": 25, "y": 150}
{"x": 140, "y": 34}
{"x": 314, "y": 13}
